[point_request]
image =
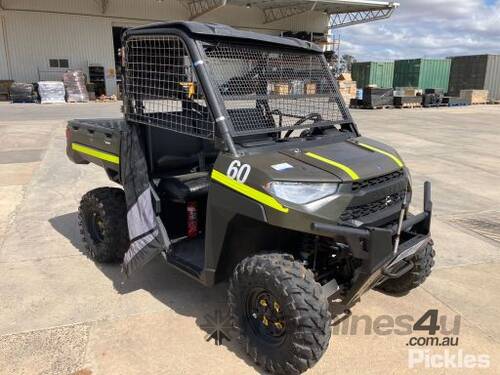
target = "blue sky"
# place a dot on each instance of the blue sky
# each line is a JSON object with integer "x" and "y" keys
{"x": 427, "y": 28}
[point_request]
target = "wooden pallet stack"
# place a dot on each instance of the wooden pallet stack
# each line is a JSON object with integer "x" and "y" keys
{"x": 4, "y": 90}
{"x": 408, "y": 101}
{"x": 347, "y": 87}
{"x": 475, "y": 96}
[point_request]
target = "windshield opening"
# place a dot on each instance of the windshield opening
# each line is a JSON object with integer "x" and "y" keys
{"x": 268, "y": 90}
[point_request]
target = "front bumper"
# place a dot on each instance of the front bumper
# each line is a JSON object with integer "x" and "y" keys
{"x": 375, "y": 247}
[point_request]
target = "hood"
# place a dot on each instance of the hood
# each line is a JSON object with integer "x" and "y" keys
{"x": 351, "y": 160}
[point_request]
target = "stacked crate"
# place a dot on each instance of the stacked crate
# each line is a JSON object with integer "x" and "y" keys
{"x": 376, "y": 98}
{"x": 475, "y": 96}
{"x": 347, "y": 87}
{"x": 407, "y": 97}
{"x": 4, "y": 89}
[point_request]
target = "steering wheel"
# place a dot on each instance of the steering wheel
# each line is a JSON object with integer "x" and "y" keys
{"x": 311, "y": 116}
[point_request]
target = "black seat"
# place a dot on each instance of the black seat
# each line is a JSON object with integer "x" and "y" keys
{"x": 177, "y": 153}
{"x": 185, "y": 187}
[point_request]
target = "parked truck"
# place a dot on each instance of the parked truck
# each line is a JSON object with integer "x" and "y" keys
{"x": 239, "y": 152}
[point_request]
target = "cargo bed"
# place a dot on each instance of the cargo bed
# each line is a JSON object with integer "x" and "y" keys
{"x": 96, "y": 141}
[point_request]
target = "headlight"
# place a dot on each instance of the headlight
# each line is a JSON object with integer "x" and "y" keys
{"x": 301, "y": 192}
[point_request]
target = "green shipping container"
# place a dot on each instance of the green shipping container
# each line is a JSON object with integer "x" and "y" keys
{"x": 373, "y": 73}
{"x": 422, "y": 73}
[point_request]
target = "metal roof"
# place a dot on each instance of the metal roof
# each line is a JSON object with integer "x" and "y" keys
{"x": 342, "y": 12}
{"x": 219, "y": 31}
{"x": 330, "y": 6}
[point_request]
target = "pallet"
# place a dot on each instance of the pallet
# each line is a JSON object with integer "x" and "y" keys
{"x": 23, "y": 102}
{"x": 378, "y": 107}
{"x": 480, "y": 103}
{"x": 457, "y": 105}
{"x": 414, "y": 105}
{"x": 475, "y": 96}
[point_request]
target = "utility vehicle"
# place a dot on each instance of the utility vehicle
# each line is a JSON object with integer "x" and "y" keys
{"x": 258, "y": 175}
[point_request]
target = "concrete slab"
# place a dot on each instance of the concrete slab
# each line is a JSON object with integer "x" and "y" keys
{"x": 454, "y": 247}
{"x": 20, "y": 156}
{"x": 64, "y": 290}
{"x": 377, "y": 353}
{"x": 47, "y": 212}
{"x": 52, "y": 351}
{"x": 471, "y": 291}
{"x": 25, "y": 135}
{"x": 17, "y": 174}
{"x": 152, "y": 323}
{"x": 11, "y": 198}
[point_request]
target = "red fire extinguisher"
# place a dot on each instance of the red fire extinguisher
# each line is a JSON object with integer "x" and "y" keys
{"x": 192, "y": 219}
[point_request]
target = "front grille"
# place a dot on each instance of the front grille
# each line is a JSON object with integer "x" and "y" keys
{"x": 358, "y": 185}
{"x": 356, "y": 212}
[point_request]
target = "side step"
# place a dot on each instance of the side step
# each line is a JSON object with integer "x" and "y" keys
{"x": 188, "y": 255}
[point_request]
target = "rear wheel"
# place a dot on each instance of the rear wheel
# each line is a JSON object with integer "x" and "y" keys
{"x": 102, "y": 217}
{"x": 280, "y": 312}
{"x": 423, "y": 262}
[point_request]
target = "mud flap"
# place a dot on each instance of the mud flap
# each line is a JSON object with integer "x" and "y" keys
{"x": 147, "y": 235}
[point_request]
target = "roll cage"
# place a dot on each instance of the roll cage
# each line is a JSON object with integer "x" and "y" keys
{"x": 212, "y": 81}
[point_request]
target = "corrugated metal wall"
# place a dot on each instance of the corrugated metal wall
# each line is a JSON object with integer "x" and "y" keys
{"x": 154, "y": 10}
{"x": 492, "y": 80}
{"x": 435, "y": 74}
{"x": 422, "y": 73}
{"x": 4, "y": 69}
{"x": 40, "y": 30}
{"x": 34, "y": 38}
{"x": 467, "y": 72}
{"x": 481, "y": 72}
{"x": 373, "y": 73}
{"x": 406, "y": 73}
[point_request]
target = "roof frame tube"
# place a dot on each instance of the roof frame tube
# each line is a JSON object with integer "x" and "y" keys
{"x": 198, "y": 8}
{"x": 274, "y": 14}
{"x": 338, "y": 20}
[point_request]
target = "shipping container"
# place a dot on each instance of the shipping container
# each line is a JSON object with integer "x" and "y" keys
{"x": 370, "y": 73}
{"x": 422, "y": 73}
{"x": 481, "y": 72}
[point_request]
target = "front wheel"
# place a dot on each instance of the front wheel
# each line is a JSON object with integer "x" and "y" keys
{"x": 280, "y": 312}
{"x": 423, "y": 262}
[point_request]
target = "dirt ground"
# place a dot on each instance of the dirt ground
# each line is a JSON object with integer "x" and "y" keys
{"x": 61, "y": 313}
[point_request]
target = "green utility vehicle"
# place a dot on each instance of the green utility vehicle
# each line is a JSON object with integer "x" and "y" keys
{"x": 240, "y": 153}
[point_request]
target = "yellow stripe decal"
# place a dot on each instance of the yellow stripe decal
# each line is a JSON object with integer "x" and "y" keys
{"x": 96, "y": 153}
{"x": 375, "y": 149}
{"x": 343, "y": 167}
{"x": 248, "y": 191}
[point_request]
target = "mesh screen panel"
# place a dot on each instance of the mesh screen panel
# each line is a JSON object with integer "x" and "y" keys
{"x": 264, "y": 90}
{"x": 161, "y": 86}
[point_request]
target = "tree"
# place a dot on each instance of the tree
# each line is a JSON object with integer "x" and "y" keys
{"x": 346, "y": 62}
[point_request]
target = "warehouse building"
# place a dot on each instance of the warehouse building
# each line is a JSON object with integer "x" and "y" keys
{"x": 41, "y": 39}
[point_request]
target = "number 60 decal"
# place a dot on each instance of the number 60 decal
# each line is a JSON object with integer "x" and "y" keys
{"x": 238, "y": 171}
